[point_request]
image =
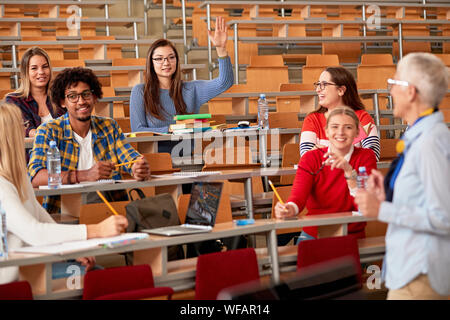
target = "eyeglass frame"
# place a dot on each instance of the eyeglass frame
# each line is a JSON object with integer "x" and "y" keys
{"x": 169, "y": 59}
{"x": 91, "y": 93}
{"x": 323, "y": 85}
{"x": 402, "y": 83}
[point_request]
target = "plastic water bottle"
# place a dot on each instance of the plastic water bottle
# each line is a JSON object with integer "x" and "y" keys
{"x": 3, "y": 233}
{"x": 263, "y": 112}
{"x": 54, "y": 166}
{"x": 361, "y": 180}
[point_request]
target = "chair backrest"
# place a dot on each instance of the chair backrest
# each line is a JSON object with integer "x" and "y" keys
{"x": 118, "y": 279}
{"x": 312, "y": 252}
{"x": 159, "y": 161}
{"x": 388, "y": 149}
{"x": 68, "y": 63}
{"x": 93, "y": 213}
{"x": 18, "y": 290}
{"x": 217, "y": 271}
{"x": 290, "y": 157}
{"x": 377, "y": 59}
{"x": 445, "y": 57}
{"x": 267, "y": 61}
{"x": 124, "y": 124}
{"x": 322, "y": 60}
{"x": 284, "y": 120}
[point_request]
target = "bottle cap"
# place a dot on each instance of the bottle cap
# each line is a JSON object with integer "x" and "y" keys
{"x": 52, "y": 144}
{"x": 262, "y": 95}
{"x": 362, "y": 169}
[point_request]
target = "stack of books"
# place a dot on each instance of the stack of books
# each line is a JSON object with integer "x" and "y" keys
{"x": 189, "y": 123}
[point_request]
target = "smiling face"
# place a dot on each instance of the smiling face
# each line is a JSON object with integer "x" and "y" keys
{"x": 38, "y": 71}
{"x": 341, "y": 131}
{"x": 80, "y": 110}
{"x": 168, "y": 64}
{"x": 330, "y": 96}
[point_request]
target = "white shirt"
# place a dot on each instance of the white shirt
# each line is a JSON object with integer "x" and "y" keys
{"x": 86, "y": 157}
{"x": 29, "y": 224}
{"x": 47, "y": 118}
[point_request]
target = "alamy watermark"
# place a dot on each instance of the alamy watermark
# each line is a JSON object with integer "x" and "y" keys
{"x": 73, "y": 22}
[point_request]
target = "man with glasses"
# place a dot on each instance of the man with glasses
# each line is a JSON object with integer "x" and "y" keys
{"x": 91, "y": 147}
{"x": 413, "y": 198}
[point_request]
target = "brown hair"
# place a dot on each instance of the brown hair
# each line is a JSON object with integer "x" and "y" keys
{"x": 151, "y": 86}
{"x": 345, "y": 111}
{"x": 342, "y": 77}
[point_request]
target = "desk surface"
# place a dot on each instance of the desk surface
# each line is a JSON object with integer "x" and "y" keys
{"x": 221, "y": 230}
{"x": 80, "y": 3}
{"x": 167, "y": 181}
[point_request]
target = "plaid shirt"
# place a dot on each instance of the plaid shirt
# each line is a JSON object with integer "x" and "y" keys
{"x": 30, "y": 110}
{"x": 108, "y": 143}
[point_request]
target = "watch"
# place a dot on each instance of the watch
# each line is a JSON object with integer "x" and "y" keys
{"x": 352, "y": 175}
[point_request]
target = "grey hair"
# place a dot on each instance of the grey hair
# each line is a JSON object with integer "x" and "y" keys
{"x": 427, "y": 73}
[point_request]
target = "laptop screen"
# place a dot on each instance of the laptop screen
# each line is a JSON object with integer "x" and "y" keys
{"x": 204, "y": 203}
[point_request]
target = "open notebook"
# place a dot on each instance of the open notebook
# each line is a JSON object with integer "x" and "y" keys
{"x": 201, "y": 213}
{"x": 73, "y": 246}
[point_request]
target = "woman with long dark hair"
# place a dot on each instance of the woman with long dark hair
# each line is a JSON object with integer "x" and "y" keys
{"x": 337, "y": 87}
{"x": 163, "y": 95}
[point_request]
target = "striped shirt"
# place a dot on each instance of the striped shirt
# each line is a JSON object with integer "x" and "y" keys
{"x": 195, "y": 93}
{"x": 108, "y": 144}
{"x": 313, "y": 132}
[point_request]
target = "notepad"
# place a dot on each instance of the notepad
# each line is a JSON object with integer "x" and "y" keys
{"x": 74, "y": 246}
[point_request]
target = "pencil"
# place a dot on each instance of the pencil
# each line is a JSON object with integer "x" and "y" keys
{"x": 125, "y": 163}
{"x": 276, "y": 193}
{"x": 107, "y": 203}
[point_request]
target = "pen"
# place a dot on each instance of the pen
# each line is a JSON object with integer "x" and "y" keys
{"x": 276, "y": 193}
{"x": 107, "y": 203}
{"x": 125, "y": 163}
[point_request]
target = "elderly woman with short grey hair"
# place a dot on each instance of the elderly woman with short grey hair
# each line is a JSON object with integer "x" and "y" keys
{"x": 413, "y": 198}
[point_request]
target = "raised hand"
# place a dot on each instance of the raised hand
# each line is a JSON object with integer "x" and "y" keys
{"x": 220, "y": 36}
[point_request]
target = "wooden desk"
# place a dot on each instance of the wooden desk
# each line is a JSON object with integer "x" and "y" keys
{"x": 38, "y": 266}
{"x": 71, "y": 198}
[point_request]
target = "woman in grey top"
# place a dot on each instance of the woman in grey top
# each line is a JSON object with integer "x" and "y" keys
{"x": 163, "y": 95}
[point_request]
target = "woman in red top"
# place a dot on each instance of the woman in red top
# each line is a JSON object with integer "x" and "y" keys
{"x": 326, "y": 177}
{"x": 336, "y": 88}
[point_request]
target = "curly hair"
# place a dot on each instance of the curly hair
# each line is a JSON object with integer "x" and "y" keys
{"x": 71, "y": 76}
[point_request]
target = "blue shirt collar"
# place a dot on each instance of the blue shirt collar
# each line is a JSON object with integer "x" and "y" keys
{"x": 422, "y": 126}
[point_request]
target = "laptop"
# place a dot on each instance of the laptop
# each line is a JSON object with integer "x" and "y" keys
{"x": 201, "y": 213}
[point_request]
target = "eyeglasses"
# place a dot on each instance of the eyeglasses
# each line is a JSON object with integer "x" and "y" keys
{"x": 160, "y": 60}
{"x": 322, "y": 85}
{"x": 74, "y": 97}
{"x": 391, "y": 82}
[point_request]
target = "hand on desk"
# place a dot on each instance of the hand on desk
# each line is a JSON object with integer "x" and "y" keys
{"x": 109, "y": 227}
{"x": 283, "y": 211}
{"x": 100, "y": 170}
{"x": 141, "y": 169}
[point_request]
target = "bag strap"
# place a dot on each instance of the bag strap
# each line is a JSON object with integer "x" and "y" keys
{"x": 140, "y": 193}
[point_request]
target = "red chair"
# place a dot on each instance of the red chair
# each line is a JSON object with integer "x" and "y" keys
{"x": 18, "y": 290}
{"x": 216, "y": 271}
{"x": 122, "y": 283}
{"x": 312, "y": 252}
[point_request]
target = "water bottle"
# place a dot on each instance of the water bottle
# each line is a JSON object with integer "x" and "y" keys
{"x": 54, "y": 166}
{"x": 3, "y": 233}
{"x": 361, "y": 180}
{"x": 263, "y": 112}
